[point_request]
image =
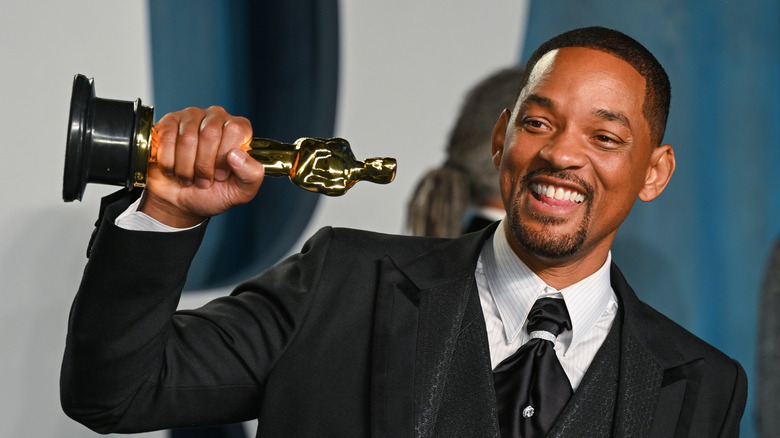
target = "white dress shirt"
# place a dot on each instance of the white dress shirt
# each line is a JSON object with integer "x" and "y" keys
{"x": 508, "y": 289}
{"x": 134, "y": 219}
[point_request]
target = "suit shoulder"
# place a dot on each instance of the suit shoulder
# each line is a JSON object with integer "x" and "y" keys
{"x": 673, "y": 339}
{"x": 668, "y": 340}
{"x": 365, "y": 243}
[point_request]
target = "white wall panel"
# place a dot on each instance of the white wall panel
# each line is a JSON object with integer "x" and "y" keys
{"x": 405, "y": 68}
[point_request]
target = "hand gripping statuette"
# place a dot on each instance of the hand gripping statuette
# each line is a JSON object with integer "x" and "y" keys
{"x": 111, "y": 142}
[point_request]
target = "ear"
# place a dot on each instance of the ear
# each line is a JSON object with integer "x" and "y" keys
{"x": 499, "y": 136}
{"x": 659, "y": 172}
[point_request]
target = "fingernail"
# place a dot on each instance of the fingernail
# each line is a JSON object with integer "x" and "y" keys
{"x": 236, "y": 157}
{"x": 221, "y": 174}
{"x": 203, "y": 183}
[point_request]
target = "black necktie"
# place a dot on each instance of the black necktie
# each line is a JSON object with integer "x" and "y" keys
{"x": 531, "y": 386}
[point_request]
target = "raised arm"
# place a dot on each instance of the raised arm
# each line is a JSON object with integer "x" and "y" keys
{"x": 131, "y": 363}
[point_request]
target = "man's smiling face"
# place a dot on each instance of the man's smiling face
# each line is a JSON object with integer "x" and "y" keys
{"x": 573, "y": 155}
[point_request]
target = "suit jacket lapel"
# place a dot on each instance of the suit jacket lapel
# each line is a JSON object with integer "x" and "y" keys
{"x": 438, "y": 342}
{"x": 658, "y": 385}
{"x": 677, "y": 400}
{"x": 393, "y": 354}
{"x": 428, "y": 315}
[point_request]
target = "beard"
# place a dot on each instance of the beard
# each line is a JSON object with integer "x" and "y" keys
{"x": 547, "y": 244}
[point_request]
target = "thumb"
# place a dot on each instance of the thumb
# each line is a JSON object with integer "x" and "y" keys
{"x": 248, "y": 172}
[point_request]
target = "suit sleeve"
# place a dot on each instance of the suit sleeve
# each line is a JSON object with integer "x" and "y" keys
{"x": 132, "y": 363}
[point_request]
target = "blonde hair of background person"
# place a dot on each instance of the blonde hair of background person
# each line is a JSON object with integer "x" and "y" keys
{"x": 468, "y": 179}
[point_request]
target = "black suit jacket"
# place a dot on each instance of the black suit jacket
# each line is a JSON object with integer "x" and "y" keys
{"x": 360, "y": 334}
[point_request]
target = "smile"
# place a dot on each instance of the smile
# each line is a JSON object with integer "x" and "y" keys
{"x": 558, "y": 193}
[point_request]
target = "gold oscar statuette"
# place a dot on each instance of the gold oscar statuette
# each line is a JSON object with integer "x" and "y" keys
{"x": 111, "y": 141}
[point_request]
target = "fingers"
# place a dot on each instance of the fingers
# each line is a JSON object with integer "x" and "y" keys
{"x": 165, "y": 133}
{"x": 236, "y": 132}
{"x": 192, "y": 144}
{"x": 189, "y": 141}
{"x": 248, "y": 172}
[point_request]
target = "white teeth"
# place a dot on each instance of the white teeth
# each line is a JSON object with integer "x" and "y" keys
{"x": 558, "y": 193}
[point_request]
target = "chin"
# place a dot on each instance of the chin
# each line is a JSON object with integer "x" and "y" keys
{"x": 545, "y": 241}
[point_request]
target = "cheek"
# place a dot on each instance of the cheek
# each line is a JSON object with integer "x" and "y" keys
{"x": 620, "y": 183}
{"x": 504, "y": 182}
{"x": 516, "y": 162}
{"x": 509, "y": 183}
{"x": 620, "y": 173}
{"x": 518, "y": 156}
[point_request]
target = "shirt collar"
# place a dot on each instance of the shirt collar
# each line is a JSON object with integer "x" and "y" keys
{"x": 515, "y": 288}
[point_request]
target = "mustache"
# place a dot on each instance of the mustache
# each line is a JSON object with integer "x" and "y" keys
{"x": 563, "y": 175}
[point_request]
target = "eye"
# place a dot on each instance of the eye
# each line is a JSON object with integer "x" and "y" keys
{"x": 533, "y": 125}
{"x": 608, "y": 141}
{"x": 605, "y": 139}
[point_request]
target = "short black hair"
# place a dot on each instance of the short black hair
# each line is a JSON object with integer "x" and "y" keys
{"x": 657, "y": 88}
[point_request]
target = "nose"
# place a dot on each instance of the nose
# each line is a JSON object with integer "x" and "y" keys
{"x": 564, "y": 151}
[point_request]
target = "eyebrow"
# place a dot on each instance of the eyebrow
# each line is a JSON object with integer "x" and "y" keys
{"x": 601, "y": 113}
{"x": 613, "y": 116}
{"x": 539, "y": 100}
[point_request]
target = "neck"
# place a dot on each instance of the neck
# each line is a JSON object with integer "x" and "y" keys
{"x": 562, "y": 272}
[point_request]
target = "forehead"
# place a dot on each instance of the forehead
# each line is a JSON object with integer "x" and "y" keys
{"x": 587, "y": 77}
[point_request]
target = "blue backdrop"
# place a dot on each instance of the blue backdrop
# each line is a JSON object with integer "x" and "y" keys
{"x": 698, "y": 252}
{"x": 274, "y": 62}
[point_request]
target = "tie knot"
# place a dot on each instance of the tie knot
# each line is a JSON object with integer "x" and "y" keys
{"x": 549, "y": 315}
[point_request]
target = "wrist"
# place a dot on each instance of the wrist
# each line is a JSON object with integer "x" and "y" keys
{"x": 168, "y": 214}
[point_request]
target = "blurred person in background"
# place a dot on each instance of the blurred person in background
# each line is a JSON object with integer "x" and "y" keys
{"x": 462, "y": 194}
